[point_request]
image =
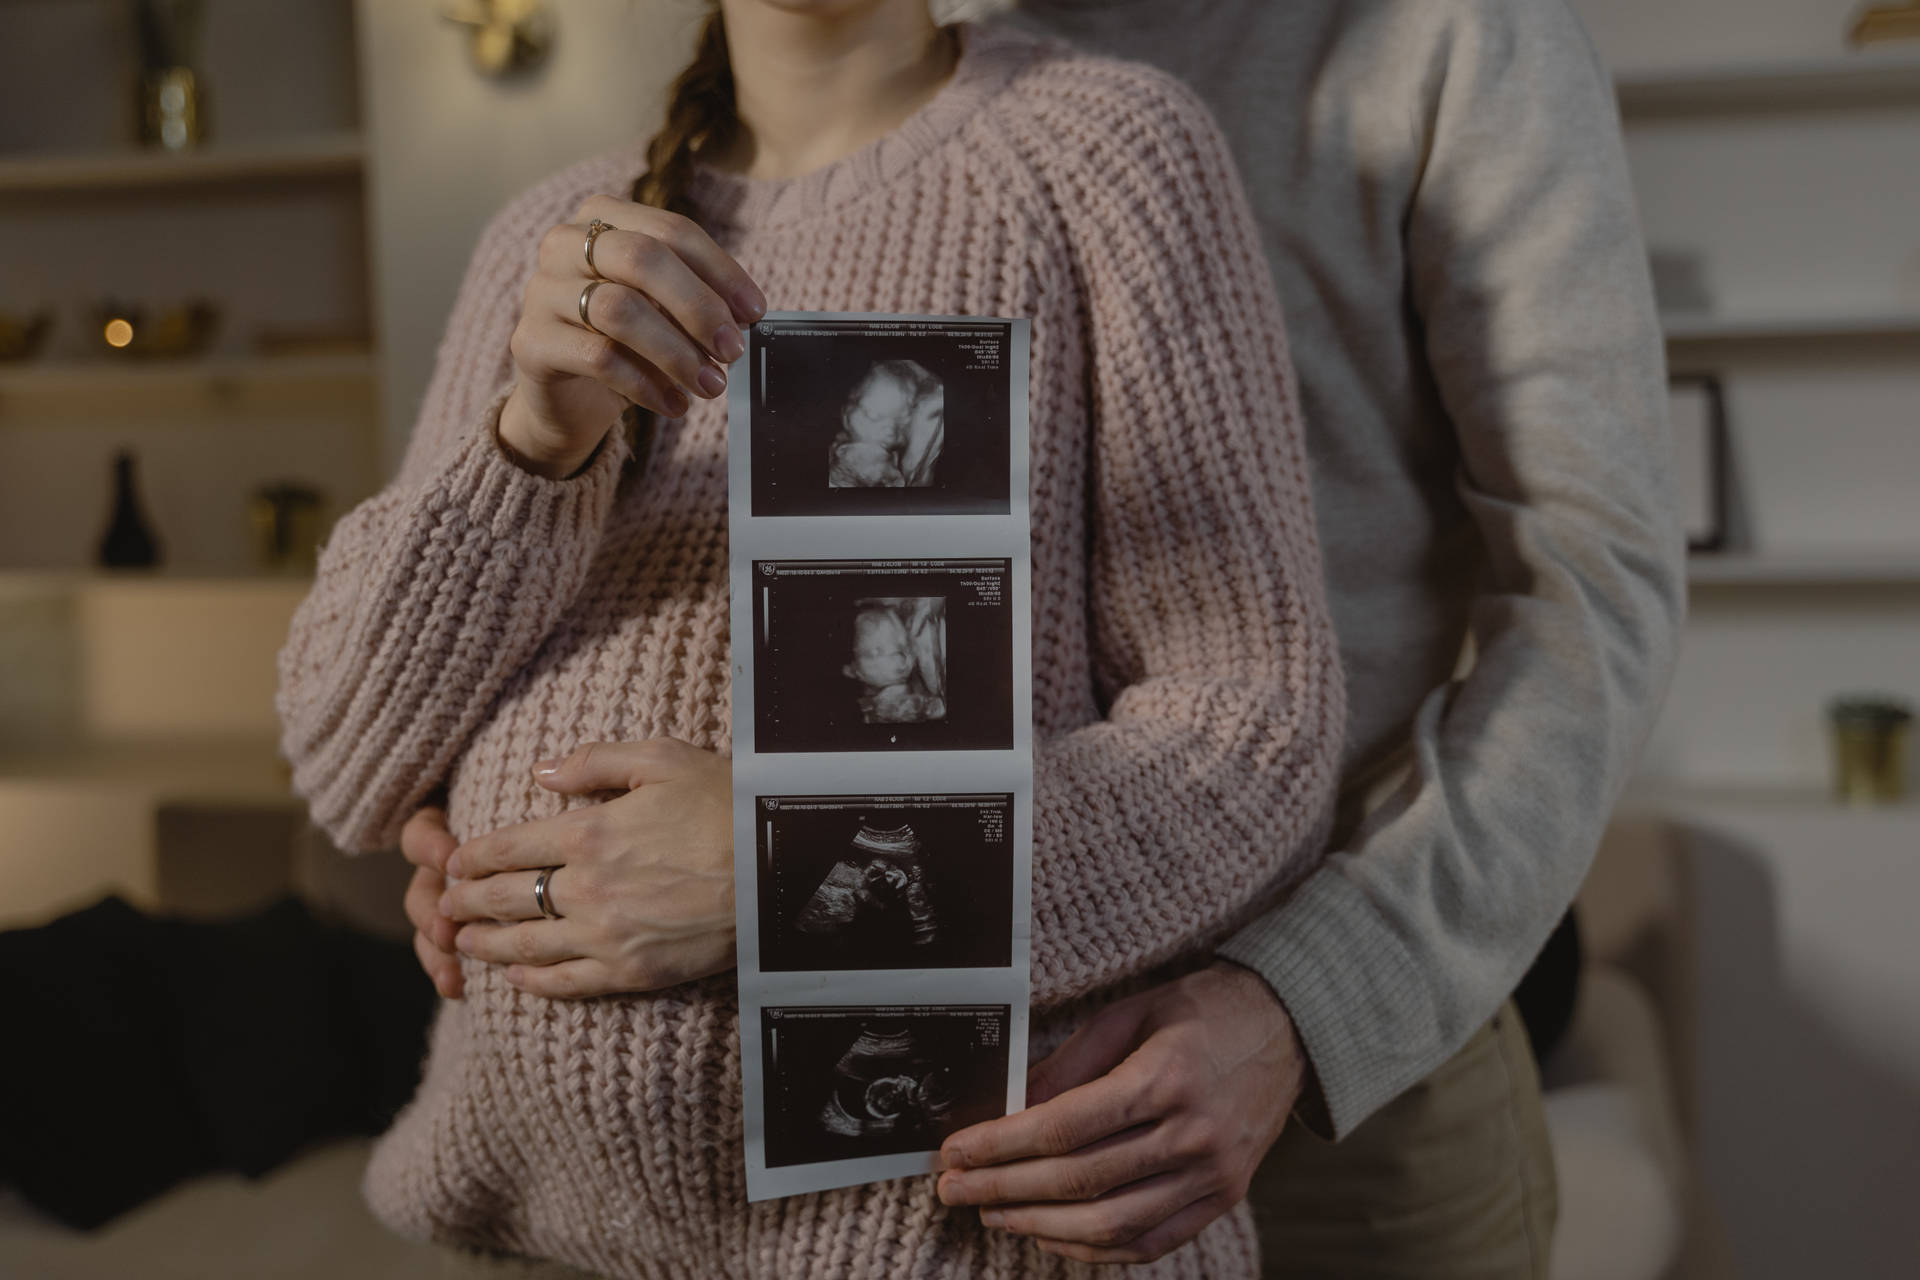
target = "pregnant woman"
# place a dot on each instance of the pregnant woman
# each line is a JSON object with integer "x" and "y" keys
{"x": 546, "y": 577}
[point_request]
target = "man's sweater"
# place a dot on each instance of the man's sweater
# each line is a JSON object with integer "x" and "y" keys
{"x": 473, "y": 617}
{"x": 1444, "y": 201}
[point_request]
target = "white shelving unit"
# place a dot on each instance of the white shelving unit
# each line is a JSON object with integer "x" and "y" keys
{"x": 338, "y": 155}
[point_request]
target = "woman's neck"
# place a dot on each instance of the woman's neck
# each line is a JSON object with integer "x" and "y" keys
{"x": 810, "y": 89}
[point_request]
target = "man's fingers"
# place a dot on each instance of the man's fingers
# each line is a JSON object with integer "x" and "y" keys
{"x": 1095, "y": 1048}
{"x": 442, "y": 968}
{"x": 1080, "y": 1116}
{"x": 568, "y": 980}
{"x": 425, "y": 840}
{"x": 536, "y": 942}
{"x": 1157, "y": 1242}
{"x": 422, "y": 903}
{"x": 1089, "y": 1172}
{"x": 1109, "y": 1222}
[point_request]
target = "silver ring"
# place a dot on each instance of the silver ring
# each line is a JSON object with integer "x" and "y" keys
{"x": 543, "y": 896}
{"x": 586, "y": 294}
{"x": 594, "y": 229}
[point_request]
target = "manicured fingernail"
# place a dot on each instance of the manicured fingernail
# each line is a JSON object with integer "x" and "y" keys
{"x": 992, "y": 1218}
{"x": 712, "y": 381}
{"x": 446, "y": 904}
{"x": 545, "y": 767}
{"x": 728, "y": 344}
{"x": 456, "y": 868}
{"x": 749, "y": 302}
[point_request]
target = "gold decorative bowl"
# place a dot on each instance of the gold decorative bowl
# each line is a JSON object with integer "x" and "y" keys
{"x": 21, "y": 336}
{"x": 185, "y": 330}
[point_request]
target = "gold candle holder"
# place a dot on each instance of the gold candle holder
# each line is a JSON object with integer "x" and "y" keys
{"x": 1869, "y": 749}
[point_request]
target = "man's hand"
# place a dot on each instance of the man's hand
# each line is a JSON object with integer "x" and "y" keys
{"x": 1143, "y": 1127}
{"x": 426, "y": 843}
{"x": 644, "y": 887}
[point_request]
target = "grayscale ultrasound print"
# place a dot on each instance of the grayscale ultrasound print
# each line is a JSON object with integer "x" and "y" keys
{"x": 885, "y": 882}
{"x": 875, "y": 655}
{"x": 881, "y": 417}
{"x": 849, "y": 1081}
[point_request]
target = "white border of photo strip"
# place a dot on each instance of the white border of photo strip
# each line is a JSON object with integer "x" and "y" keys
{"x": 900, "y": 773}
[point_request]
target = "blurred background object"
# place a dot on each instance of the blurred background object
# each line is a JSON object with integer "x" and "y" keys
{"x": 1870, "y": 749}
{"x": 1887, "y": 22}
{"x": 506, "y": 35}
{"x": 1739, "y": 1092}
{"x": 172, "y": 95}
{"x": 128, "y": 543}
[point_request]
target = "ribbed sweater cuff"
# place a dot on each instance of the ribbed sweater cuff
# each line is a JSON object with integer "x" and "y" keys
{"x": 496, "y": 493}
{"x": 1360, "y": 1004}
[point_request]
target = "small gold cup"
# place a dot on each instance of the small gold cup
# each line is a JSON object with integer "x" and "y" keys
{"x": 1869, "y": 749}
{"x": 173, "y": 109}
{"x": 286, "y": 529}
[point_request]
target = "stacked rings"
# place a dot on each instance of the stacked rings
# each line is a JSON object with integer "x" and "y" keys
{"x": 594, "y": 229}
{"x": 543, "y": 896}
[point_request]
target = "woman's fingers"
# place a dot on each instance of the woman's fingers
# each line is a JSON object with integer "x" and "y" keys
{"x": 567, "y": 980}
{"x": 533, "y": 942}
{"x": 653, "y": 268}
{"x": 569, "y": 349}
{"x": 692, "y": 245}
{"x": 506, "y": 895}
{"x": 633, "y": 319}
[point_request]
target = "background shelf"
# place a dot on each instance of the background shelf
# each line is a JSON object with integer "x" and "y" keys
{"x": 57, "y": 377}
{"x": 1859, "y": 80}
{"x": 1893, "y": 569}
{"x": 332, "y": 155}
{"x": 1767, "y": 328}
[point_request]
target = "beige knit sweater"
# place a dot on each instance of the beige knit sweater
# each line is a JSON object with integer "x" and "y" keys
{"x": 472, "y": 618}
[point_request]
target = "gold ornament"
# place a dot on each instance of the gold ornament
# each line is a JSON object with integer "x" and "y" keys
{"x": 507, "y": 35}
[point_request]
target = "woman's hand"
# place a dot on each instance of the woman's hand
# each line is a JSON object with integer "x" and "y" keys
{"x": 645, "y": 881}
{"x": 668, "y": 318}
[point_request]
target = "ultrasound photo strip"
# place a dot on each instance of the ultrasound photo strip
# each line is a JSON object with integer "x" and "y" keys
{"x": 880, "y": 570}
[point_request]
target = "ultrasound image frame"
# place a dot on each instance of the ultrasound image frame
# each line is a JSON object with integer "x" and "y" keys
{"x": 802, "y": 374}
{"x": 805, "y": 617}
{"x": 812, "y": 1096}
{"x": 813, "y": 917}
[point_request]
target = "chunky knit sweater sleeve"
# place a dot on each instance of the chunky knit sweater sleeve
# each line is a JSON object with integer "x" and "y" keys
{"x": 1209, "y": 782}
{"x": 431, "y": 594}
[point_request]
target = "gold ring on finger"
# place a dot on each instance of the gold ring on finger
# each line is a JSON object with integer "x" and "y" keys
{"x": 543, "y": 895}
{"x": 594, "y": 229}
{"x": 586, "y": 296}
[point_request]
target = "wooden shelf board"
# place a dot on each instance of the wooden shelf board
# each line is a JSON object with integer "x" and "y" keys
{"x": 1892, "y": 569}
{"x": 55, "y": 377}
{"x": 317, "y": 156}
{"x": 1865, "y": 79}
{"x": 17, "y": 583}
{"x": 1766, "y": 328}
{"x": 210, "y": 771}
{"x": 1658, "y": 795}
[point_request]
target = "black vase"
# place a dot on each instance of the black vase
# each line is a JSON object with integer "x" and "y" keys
{"x": 129, "y": 543}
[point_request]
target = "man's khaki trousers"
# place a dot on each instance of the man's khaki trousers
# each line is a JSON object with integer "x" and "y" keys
{"x": 1452, "y": 1179}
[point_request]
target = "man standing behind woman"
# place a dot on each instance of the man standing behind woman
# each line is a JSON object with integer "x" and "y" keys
{"x": 1444, "y": 201}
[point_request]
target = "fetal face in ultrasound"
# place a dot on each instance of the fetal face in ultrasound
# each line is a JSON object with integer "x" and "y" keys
{"x": 880, "y": 417}
{"x": 859, "y": 655}
{"x": 885, "y": 882}
{"x": 849, "y": 1081}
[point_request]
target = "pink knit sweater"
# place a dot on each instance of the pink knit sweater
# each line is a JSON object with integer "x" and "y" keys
{"x": 472, "y": 617}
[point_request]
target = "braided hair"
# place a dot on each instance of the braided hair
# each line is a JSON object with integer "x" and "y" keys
{"x": 700, "y": 115}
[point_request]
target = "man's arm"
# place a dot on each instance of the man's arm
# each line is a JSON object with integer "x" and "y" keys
{"x": 1529, "y": 275}
{"x": 1531, "y": 281}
